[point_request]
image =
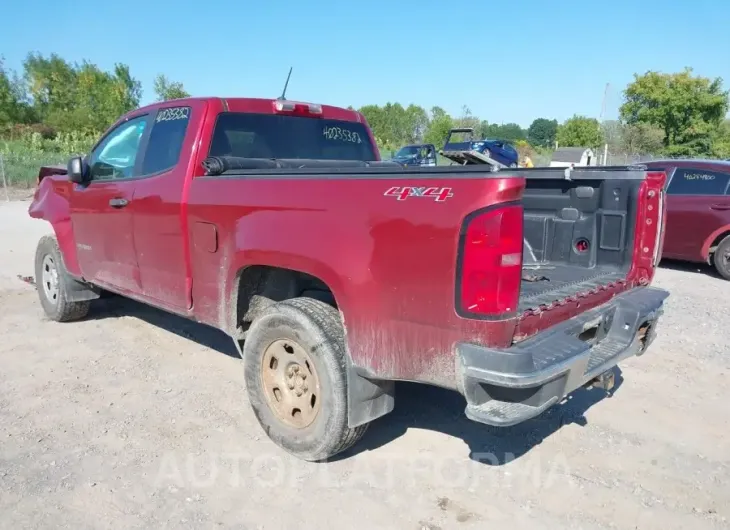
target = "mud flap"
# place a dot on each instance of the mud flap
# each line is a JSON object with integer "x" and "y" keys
{"x": 367, "y": 399}
{"x": 77, "y": 291}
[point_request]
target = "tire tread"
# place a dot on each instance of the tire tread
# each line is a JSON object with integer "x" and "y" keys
{"x": 329, "y": 325}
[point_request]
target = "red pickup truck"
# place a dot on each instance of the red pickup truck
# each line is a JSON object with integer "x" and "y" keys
{"x": 336, "y": 273}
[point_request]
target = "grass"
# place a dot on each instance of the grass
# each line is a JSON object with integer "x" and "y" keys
{"x": 21, "y": 159}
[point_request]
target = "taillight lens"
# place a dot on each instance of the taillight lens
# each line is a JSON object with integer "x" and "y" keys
{"x": 491, "y": 263}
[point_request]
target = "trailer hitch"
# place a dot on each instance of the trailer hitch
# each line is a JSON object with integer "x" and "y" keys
{"x": 606, "y": 381}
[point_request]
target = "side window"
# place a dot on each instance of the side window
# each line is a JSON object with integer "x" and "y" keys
{"x": 115, "y": 156}
{"x": 689, "y": 181}
{"x": 166, "y": 139}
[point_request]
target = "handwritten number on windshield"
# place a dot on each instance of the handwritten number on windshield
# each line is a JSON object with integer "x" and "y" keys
{"x": 343, "y": 135}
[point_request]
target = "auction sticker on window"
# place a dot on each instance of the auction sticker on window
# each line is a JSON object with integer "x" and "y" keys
{"x": 341, "y": 134}
{"x": 173, "y": 113}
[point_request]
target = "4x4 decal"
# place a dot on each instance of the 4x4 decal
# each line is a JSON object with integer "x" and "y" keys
{"x": 402, "y": 193}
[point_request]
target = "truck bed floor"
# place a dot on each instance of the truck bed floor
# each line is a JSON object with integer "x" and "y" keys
{"x": 556, "y": 282}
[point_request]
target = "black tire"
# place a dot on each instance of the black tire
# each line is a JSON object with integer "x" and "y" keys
{"x": 721, "y": 258}
{"x": 53, "y": 294}
{"x": 513, "y": 165}
{"x": 317, "y": 328}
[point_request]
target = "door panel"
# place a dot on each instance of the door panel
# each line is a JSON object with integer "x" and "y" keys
{"x": 159, "y": 220}
{"x": 104, "y": 235}
{"x": 696, "y": 208}
{"x": 100, "y": 210}
{"x": 159, "y": 239}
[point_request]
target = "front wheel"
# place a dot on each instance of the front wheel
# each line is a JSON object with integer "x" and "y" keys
{"x": 296, "y": 376}
{"x": 721, "y": 258}
{"x": 51, "y": 281}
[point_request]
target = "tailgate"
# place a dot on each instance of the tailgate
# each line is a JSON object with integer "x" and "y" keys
{"x": 589, "y": 234}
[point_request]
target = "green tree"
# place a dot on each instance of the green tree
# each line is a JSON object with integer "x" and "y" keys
{"x": 689, "y": 109}
{"x": 394, "y": 126}
{"x": 721, "y": 143}
{"x": 437, "y": 112}
{"x": 82, "y": 98}
{"x": 438, "y": 128}
{"x": 580, "y": 131}
{"x": 13, "y": 105}
{"x": 642, "y": 138}
{"x": 542, "y": 132}
{"x": 468, "y": 120}
{"x": 416, "y": 123}
{"x": 166, "y": 89}
{"x": 511, "y": 132}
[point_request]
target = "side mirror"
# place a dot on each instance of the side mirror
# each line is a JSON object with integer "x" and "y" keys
{"x": 77, "y": 170}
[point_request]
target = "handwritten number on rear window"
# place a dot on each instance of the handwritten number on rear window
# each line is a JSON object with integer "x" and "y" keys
{"x": 173, "y": 113}
{"x": 342, "y": 135}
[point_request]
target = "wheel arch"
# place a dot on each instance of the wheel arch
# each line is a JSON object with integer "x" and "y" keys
{"x": 258, "y": 286}
{"x": 712, "y": 241}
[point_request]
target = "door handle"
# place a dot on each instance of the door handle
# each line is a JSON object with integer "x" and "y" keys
{"x": 118, "y": 203}
{"x": 720, "y": 206}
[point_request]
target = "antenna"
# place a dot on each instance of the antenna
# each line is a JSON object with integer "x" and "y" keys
{"x": 283, "y": 94}
{"x": 603, "y": 103}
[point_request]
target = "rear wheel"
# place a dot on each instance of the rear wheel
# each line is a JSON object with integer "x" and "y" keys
{"x": 51, "y": 276}
{"x": 721, "y": 258}
{"x": 296, "y": 377}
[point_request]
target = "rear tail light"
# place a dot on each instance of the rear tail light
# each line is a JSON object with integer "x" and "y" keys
{"x": 297, "y": 108}
{"x": 660, "y": 222}
{"x": 490, "y": 263}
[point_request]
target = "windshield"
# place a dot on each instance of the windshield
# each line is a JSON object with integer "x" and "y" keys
{"x": 459, "y": 137}
{"x": 407, "y": 151}
{"x": 275, "y": 136}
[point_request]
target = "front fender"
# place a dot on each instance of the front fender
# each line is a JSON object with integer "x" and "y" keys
{"x": 51, "y": 203}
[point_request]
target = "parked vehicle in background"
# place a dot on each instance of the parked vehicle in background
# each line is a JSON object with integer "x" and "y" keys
{"x": 698, "y": 211}
{"x": 461, "y": 146}
{"x": 416, "y": 155}
{"x": 337, "y": 274}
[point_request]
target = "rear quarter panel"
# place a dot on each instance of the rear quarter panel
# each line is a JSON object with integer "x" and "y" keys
{"x": 390, "y": 263}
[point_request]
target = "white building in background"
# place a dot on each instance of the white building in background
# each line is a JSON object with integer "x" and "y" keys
{"x": 573, "y": 157}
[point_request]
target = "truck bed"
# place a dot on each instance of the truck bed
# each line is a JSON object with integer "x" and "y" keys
{"x": 557, "y": 282}
{"x": 578, "y": 234}
{"x": 578, "y": 226}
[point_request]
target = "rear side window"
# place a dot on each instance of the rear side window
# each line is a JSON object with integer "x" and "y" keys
{"x": 276, "y": 136}
{"x": 166, "y": 139}
{"x": 689, "y": 181}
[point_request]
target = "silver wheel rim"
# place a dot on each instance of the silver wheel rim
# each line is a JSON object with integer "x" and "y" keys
{"x": 50, "y": 279}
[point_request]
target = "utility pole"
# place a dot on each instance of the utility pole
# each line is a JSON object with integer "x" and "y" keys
{"x": 600, "y": 120}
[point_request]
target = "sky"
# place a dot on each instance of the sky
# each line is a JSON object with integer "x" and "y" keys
{"x": 506, "y": 61}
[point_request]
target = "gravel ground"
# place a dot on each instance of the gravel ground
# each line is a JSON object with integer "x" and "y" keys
{"x": 134, "y": 418}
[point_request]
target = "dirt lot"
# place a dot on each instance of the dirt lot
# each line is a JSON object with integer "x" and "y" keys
{"x": 133, "y": 418}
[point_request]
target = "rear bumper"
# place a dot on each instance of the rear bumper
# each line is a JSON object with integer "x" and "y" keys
{"x": 506, "y": 387}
